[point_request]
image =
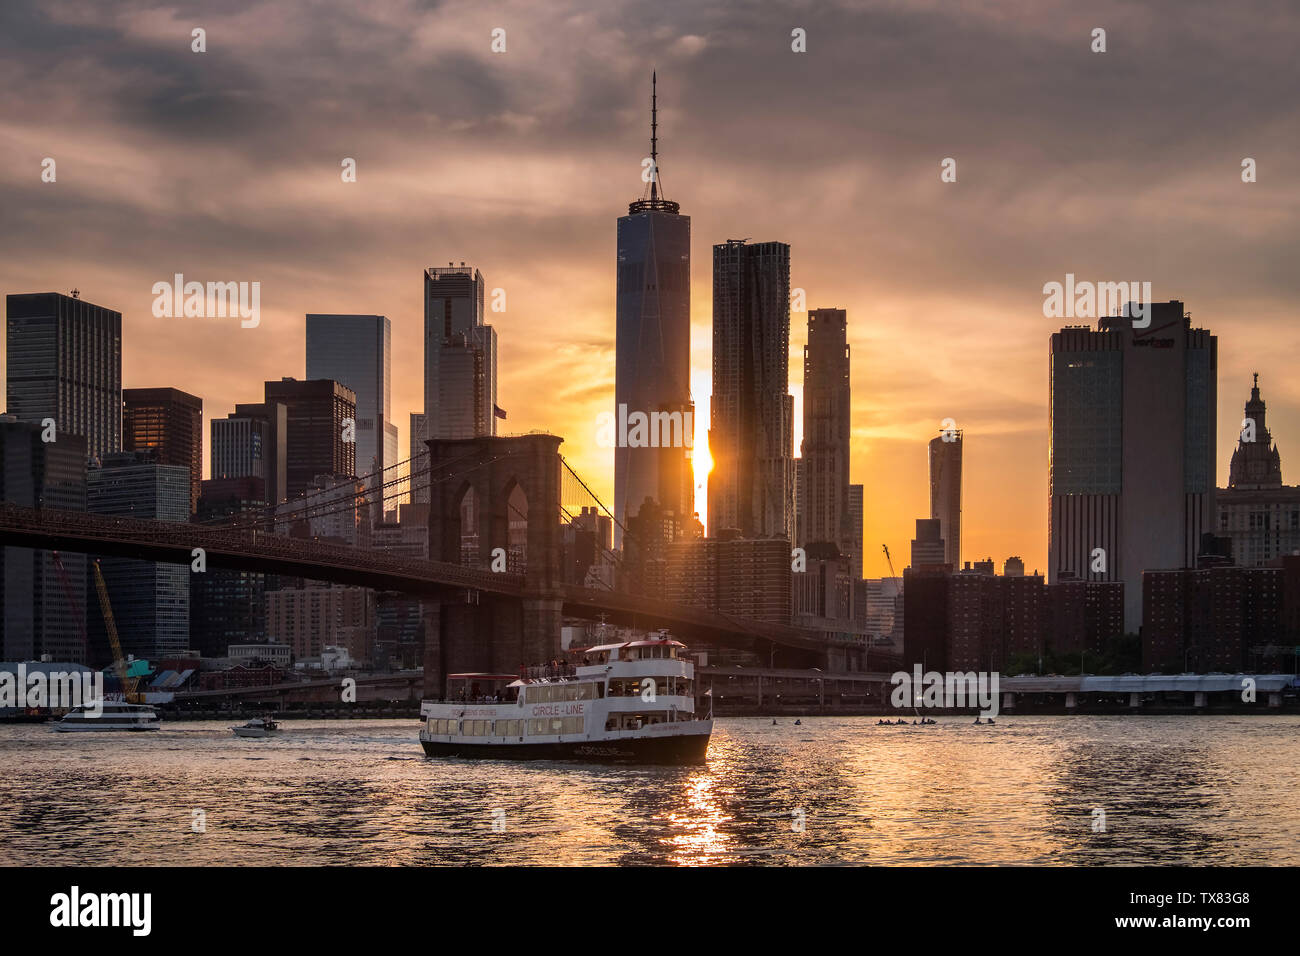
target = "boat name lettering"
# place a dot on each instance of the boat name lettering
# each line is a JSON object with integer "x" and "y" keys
{"x": 558, "y": 710}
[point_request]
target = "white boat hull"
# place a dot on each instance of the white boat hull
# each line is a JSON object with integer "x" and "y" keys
{"x": 256, "y": 732}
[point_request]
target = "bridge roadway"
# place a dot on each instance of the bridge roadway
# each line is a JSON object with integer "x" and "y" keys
{"x": 251, "y": 549}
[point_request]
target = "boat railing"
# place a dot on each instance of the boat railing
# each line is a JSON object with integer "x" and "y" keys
{"x": 548, "y": 671}
{"x": 471, "y": 699}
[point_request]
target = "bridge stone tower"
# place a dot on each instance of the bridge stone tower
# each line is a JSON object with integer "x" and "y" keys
{"x": 491, "y": 493}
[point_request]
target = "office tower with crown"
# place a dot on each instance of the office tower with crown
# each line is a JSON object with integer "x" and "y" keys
{"x": 1257, "y": 513}
{"x": 460, "y": 366}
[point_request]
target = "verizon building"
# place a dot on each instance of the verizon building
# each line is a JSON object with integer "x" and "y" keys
{"x": 1132, "y": 449}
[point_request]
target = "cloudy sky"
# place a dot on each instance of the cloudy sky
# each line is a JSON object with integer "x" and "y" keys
{"x": 1123, "y": 165}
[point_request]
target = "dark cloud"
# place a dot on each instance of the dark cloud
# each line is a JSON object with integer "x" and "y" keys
{"x": 225, "y": 164}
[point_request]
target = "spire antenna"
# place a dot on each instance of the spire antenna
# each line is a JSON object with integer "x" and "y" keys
{"x": 652, "y": 199}
{"x": 654, "y": 134}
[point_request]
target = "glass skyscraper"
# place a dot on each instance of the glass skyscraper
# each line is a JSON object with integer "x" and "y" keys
{"x": 356, "y": 350}
{"x": 652, "y": 373}
{"x": 64, "y": 362}
{"x": 42, "y": 609}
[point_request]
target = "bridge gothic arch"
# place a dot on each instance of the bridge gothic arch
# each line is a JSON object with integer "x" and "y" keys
{"x": 488, "y": 493}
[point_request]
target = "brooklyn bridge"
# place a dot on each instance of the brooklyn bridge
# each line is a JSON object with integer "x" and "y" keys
{"x": 489, "y": 617}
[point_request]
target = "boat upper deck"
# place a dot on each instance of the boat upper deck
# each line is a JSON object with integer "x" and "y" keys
{"x": 613, "y": 670}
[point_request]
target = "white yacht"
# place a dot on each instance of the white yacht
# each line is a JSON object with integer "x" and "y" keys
{"x": 624, "y": 703}
{"x": 258, "y": 727}
{"x": 115, "y": 715}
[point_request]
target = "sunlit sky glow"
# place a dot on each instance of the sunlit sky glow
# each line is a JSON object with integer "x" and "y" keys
{"x": 1117, "y": 166}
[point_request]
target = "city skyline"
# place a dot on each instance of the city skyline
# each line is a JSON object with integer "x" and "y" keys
{"x": 548, "y": 248}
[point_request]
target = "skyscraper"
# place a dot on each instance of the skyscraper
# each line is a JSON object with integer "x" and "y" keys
{"x": 419, "y": 467}
{"x": 945, "y": 492}
{"x": 150, "y": 600}
{"x": 1132, "y": 449}
{"x": 250, "y": 442}
{"x": 825, "y": 516}
{"x": 315, "y": 443}
{"x": 460, "y": 364}
{"x": 228, "y": 606}
{"x": 751, "y": 430}
{"x": 42, "y": 608}
{"x": 928, "y": 546}
{"x": 1256, "y": 462}
{"x": 459, "y": 400}
{"x": 64, "y": 362}
{"x": 653, "y": 346}
{"x": 855, "y": 529}
{"x": 170, "y": 421}
{"x": 356, "y": 351}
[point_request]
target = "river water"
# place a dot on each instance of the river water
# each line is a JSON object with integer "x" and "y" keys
{"x": 1045, "y": 790}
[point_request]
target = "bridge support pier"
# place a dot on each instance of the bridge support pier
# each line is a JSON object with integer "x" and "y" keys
{"x": 540, "y": 637}
{"x": 509, "y": 488}
{"x": 1008, "y": 700}
{"x": 493, "y": 636}
{"x": 1135, "y": 700}
{"x": 1275, "y": 698}
{"x": 1071, "y": 700}
{"x": 1199, "y": 699}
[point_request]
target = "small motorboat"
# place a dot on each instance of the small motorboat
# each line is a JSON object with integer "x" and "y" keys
{"x": 258, "y": 727}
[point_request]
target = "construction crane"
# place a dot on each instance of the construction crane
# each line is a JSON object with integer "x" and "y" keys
{"x": 893, "y": 576}
{"x": 119, "y": 661}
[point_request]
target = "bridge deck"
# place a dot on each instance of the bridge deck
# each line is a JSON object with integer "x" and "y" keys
{"x": 252, "y": 549}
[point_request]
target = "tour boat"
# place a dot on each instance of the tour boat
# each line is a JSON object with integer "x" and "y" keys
{"x": 115, "y": 715}
{"x": 258, "y": 727}
{"x": 624, "y": 703}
